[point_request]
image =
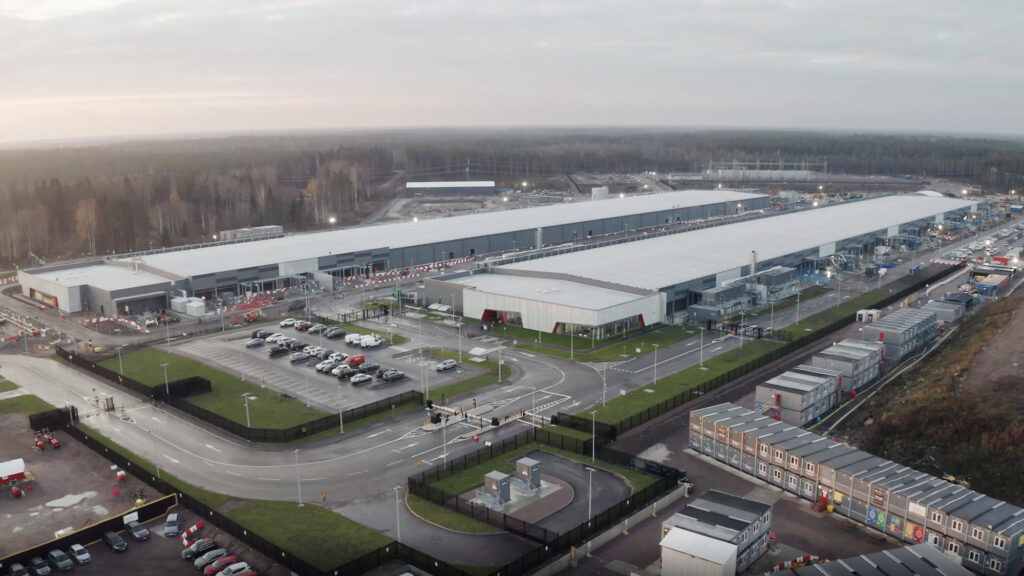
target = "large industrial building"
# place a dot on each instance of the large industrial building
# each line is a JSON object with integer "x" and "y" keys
{"x": 146, "y": 280}
{"x": 735, "y": 266}
{"x": 986, "y": 534}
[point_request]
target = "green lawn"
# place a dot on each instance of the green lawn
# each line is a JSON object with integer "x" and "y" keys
{"x": 269, "y": 410}
{"x": 473, "y": 477}
{"x": 608, "y": 350}
{"x": 356, "y": 424}
{"x": 448, "y": 518}
{"x": 569, "y": 432}
{"x": 622, "y": 407}
{"x": 7, "y": 386}
{"x": 26, "y": 404}
{"x": 490, "y": 375}
{"x": 312, "y": 533}
{"x": 826, "y": 317}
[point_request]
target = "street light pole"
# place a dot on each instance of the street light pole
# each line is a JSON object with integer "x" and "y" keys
{"x": 590, "y": 493}
{"x": 444, "y": 441}
{"x": 604, "y": 383}
{"x": 298, "y": 476}
{"x": 167, "y": 387}
{"x": 571, "y": 345}
{"x": 460, "y": 342}
{"x": 743, "y": 319}
{"x": 593, "y": 434}
{"x": 771, "y": 321}
{"x": 702, "y": 347}
{"x": 655, "y": 364}
{"x": 120, "y": 366}
{"x": 798, "y": 307}
{"x": 398, "y": 525}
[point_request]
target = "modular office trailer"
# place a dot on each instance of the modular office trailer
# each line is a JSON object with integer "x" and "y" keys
{"x": 859, "y": 362}
{"x": 738, "y": 521}
{"x": 800, "y": 395}
{"x": 903, "y": 332}
{"x": 912, "y": 506}
{"x": 917, "y": 559}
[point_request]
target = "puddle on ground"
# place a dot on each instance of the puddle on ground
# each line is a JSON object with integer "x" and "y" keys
{"x": 70, "y": 499}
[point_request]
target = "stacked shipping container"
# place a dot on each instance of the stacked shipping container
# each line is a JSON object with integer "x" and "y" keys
{"x": 903, "y": 332}
{"x": 901, "y": 502}
{"x": 799, "y": 395}
{"x": 859, "y": 362}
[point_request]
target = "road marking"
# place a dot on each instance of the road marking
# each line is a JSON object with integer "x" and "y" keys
{"x": 208, "y": 463}
{"x": 314, "y": 478}
{"x": 691, "y": 343}
{"x": 159, "y": 421}
{"x": 116, "y": 429}
{"x": 374, "y": 435}
{"x": 233, "y": 473}
{"x": 171, "y": 459}
{"x": 358, "y": 473}
{"x": 716, "y": 349}
{"x": 393, "y": 463}
{"x": 399, "y": 450}
{"x": 212, "y": 448}
{"x": 270, "y": 479}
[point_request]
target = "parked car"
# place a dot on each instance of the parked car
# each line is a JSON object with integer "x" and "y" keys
{"x": 325, "y": 365}
{"x": 274, "y": 338}
{"x": 355, "y": 360}
{"x": 79, "y": 554}
{"x": 338, "y": 356}
{"x": 112, "y": 539}
{"x": 443, "y": 365}
{"x": 371, "y": 341}
{"x": 343, "y": 371}
{"x": 18, "y": 570}
{"x": 299, "y": 357}
{"x": 316, "y": 328}
{"x": 352, "y": 339}
{"x": 290, "y": 342}
{"x": 171, "y": 526}
{"x": 334, "y": 333}
{"x": 59, "y": 560}
{"x": 199, "y": 547}
{"x": 234, "y": 569}
{"x": 38, "y": 566}
{"x": 207, "y": 558}
{"x": 359, "y": 378}
{"x": 392, "y": 375}
{"x": 275, "y": 351}
{"x": 302, "y": 325}
{"x": 138, "y": 531}
{"x": 370, "y": 368}
{"x": 324, "y": 353}
{"x": 219, "y": 564}
{"x": 287, "y": 322}
{"x": 254, "y": 343}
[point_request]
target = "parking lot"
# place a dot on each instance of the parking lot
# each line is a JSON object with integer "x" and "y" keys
{"x": 302, "y": 381}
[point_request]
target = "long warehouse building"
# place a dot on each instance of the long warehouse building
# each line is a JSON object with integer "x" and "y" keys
{"x": 606, "y": 291}
{"x": 145, "y": 281}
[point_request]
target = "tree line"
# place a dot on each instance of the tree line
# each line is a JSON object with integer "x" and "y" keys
{"x": 80, "y": 201}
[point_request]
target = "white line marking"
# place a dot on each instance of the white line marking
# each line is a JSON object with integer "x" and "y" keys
{"x": 159, "y": 421}
{"x": 171, "y": 459}
{"x": 393, "y": 463}
{"x": 313, "y": 478}
{"x": 374, "y": 435}
{"x": 233, "y": 473}
{"x": 270, "y": 479}
{"x": 212, "y": 448}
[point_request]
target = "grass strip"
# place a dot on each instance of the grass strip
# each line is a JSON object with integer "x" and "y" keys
{"x": 447, "y": 518}
{"x": 7, "y": 386}
{"x": 26, "y": 404}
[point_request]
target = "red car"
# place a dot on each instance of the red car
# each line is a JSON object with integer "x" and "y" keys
{"x": 219, "y": 564}
{"x": 303, "y": 326}
{"x": 355, "y": 360}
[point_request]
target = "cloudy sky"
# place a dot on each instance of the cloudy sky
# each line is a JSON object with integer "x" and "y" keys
{"x": 92, "y": 68}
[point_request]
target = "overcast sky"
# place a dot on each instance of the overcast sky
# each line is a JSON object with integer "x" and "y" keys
{"x": 90, "y": 68}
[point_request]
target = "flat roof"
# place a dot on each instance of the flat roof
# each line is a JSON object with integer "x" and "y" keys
{"x": 699, "y": 546}
{"x": 210, "y": 259}
{"x": 459, "y": 184}
{"x": 103, "y": 276}
{"x": 668, "y": 260}
{"x": 551, "y": 291}
{"x": 915, "y": 560}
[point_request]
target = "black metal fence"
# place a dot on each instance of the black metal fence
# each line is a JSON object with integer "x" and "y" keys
{"x": 53, "y": 419}
{"x": 93, "y": 532}
{"x": 550, "y": 544}
{"x": 180, "y": 390}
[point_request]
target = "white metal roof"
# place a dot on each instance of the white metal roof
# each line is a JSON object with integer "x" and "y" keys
{"x": 212, "y": 259}
{"x": 103, "y": 276}
{"x": 561, "y": 292}
{"x": 462, "y": 184}
{"x": 12, "y": 467}
{"x": 699, "y": 546}
{"x": 664, "y": 261}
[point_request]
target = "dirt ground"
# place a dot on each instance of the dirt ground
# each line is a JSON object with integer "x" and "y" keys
{"x": 71, "y": 486}
{"x": 1002, "y": 359}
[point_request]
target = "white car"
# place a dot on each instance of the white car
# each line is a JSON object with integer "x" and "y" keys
{"x": 274, "y": 338}
{"x": 323, "y": 364}
{"x": 445, "y": 365}
{"x": 287, "y": 322}
{"x": 370, "y": 341}
{"x": 236, "y": 568}
{"x": 338, "y": 357}
{"x": 79, "y": 554}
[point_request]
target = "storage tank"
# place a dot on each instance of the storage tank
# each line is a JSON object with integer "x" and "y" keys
{"x": 195, "y": 307}
{"x": 178, "y": 304}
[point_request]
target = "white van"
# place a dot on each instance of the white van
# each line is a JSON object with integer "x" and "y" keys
{"x": 369, "y": 341}
{"x": 353, "y": 339}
